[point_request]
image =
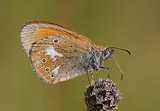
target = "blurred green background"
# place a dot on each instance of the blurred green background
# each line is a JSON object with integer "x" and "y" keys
{"x": 130, "y": 24}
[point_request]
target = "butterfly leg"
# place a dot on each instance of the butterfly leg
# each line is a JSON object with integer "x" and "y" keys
{"x": 92, "y": 76}
{"x": 88, "y": 78}
{"x": 107, "y": 70}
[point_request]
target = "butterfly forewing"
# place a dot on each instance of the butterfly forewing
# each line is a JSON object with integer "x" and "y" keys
{"x": 33, "y": 31}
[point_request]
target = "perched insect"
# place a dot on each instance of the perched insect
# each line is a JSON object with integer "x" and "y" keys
{"x": 59, "y": 54}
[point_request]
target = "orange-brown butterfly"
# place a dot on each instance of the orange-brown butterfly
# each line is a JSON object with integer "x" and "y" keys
{"x": 59, "y": 54}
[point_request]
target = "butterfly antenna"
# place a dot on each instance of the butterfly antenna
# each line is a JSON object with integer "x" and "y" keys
{"x": 118, "y": 67}
{"x": 122, "y": 50}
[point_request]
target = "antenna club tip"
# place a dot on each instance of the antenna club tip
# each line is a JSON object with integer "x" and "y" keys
{"x": 121, "y": 76}
{"x": 129, "y": 52}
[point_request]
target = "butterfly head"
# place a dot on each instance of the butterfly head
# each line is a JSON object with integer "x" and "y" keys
{"x": 108, "y": 52}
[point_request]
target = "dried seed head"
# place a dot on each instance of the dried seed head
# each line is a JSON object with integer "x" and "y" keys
{"x": 102, "y": 95}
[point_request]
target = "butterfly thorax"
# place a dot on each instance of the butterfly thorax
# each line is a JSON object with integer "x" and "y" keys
{"x": 94, "y": 60}
{"x": 98, "y": 56}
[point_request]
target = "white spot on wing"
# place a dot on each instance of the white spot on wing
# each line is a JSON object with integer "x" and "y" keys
{"x": 55, "y": 71}
{"x": 50, "y": 51}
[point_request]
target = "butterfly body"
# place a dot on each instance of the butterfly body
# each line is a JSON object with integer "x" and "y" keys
{"x": 59, "y": 54}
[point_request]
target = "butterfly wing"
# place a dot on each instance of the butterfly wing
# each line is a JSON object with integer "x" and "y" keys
{"x": 56, "y": 53}
{"x": 59, "y": 58}
{"x": 35, "y": 30}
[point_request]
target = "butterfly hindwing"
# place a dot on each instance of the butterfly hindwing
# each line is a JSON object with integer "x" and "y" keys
{"x": 58, "y": 58}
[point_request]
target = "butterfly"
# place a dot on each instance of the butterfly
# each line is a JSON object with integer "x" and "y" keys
{"x": 59, "y": 54}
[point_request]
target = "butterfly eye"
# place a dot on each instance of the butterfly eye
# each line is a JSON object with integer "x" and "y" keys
{"x": 47, "y": 69}
{"x": 43, "y": 60}
{"x": 55, "y": 41}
